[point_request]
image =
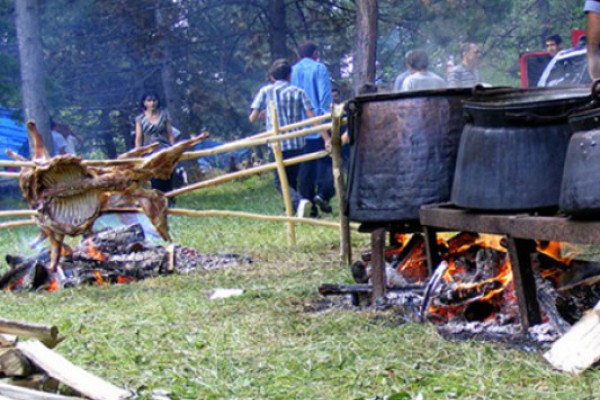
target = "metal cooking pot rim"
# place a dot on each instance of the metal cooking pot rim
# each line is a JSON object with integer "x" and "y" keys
{"x": 534, "y": 96}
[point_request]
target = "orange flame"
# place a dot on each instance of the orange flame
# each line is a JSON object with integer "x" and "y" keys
{"x": 124, "y": 279}
{"x": 94, "y": 253}
{"x": 99, "y": 279}
{"x": 53, "y": 286}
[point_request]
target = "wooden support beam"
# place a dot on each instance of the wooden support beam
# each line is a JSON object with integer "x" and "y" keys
{"x": 340, "y": 186}
{"x": 378, "y": 279}
{"x": 45, "y": 333}
{"x": 520, "y": 251}
{"x": 431, "y": 248}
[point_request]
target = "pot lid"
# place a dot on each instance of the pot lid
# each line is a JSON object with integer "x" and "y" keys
{"x": 530, "y": 97}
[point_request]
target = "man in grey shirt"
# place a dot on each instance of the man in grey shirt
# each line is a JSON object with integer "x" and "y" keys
{"x": 420, "y": 78}
{"x": 466, "y": 73}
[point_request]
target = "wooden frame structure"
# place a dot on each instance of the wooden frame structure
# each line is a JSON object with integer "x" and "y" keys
{"x": 330, "y": 122}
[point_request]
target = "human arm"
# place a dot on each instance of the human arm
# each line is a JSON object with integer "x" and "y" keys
{"x": 593, "y": 38}
{"x": 254, "y": 115}
{"x": 139, "y": 136}
{"x": 324, "y": 90}
{"x": 257, "y": 105}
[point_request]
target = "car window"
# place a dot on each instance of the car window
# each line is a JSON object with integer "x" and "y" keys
{"x": 568, "y": 70}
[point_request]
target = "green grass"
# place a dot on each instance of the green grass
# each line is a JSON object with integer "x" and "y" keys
{"x": 269, "y": 343}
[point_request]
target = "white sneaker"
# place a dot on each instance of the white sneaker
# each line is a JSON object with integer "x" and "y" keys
{"x": 303, "y": 208}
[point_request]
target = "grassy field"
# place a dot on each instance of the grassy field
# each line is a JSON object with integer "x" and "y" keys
{"x": 164, "y": 336}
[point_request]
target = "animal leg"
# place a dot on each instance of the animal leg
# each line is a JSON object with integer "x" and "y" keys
{"x": 56, "y": 243}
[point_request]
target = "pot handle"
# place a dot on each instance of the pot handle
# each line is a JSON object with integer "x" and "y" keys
{"x": 536, "y": 119}
{"x": 596, "y": 90}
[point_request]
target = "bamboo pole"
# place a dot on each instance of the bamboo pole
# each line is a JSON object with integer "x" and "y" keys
{"x": 4, "y": 174}
{"x": 235, "y": 214}
{"x": 16, "y": 224}
{"x": 18, "y": 213}
{"x": 238, "y": 144}
{"x": 283, "y": 180}
{"x": 246, "y": 172}
{"x": 340, "y": 185}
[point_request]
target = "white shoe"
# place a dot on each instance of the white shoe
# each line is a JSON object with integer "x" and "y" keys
{"x": 303, "y": 208}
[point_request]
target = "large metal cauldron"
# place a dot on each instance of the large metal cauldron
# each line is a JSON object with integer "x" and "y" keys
{"x": 403, "y": 152}
{"x": 580, "y": 192}
{"x": 512, "y": 151}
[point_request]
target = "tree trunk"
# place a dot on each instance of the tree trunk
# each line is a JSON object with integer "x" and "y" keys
{"x": 167, "y": 72}
{"x": 365, "y": 44}
{"x": 277, "y": 29}
{"x": 31, "y": 59}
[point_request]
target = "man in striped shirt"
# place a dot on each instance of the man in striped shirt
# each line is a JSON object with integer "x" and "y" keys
{"x": 466, "y": 73}
{"x": 592, "y": 10}
{"x": 292, "y": 104}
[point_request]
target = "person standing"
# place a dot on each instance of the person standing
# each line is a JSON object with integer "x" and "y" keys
{"x": 316, "y": 177}
{"x": 154, "y": 126}
{"x": 466, "y": 73}
{"x": 292, "y": 104}
{"x": 420, "y": 78}
{"x": 592, "y": 10}
{"x": 553, "y": 44}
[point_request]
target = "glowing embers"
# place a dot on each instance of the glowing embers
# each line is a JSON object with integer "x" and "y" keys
{"x": 119, "y": 255}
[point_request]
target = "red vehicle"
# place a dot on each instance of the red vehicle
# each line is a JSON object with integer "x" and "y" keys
{"x": 533, "y": 63}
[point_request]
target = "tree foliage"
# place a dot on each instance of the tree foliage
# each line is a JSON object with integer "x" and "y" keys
{"x": 211, "y": 56}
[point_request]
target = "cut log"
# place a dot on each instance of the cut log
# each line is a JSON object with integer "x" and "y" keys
{"x": 19, "y": 393}
{"x": 45, "y": 333}
{"x": 12, "y": 363}
{"x": 579, "y": 348}
{"x": 69, "y": 374}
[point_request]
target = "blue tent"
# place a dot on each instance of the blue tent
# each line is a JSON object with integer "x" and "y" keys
{"x": 13, "y": 134}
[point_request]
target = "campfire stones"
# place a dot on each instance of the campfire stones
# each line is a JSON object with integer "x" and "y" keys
{"x": 118, "y": 255}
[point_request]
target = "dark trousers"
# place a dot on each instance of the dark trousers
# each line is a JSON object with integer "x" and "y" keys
{"x": 291, "y": 172}
{"x": 316, "y": 177}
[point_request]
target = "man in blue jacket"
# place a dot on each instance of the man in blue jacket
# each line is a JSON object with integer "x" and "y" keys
{"x": 316, "y": 178}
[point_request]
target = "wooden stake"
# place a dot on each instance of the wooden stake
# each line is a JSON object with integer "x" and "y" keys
{"x": 340, "y": 185}
{"x": 12, "y": 392}
{"x": 18, "y": 213}
{"x": 283, "y": 181}
{"x": 71, "y": 375}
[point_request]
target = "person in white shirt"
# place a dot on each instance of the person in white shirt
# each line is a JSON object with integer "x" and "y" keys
{"x": 420, "y": 78}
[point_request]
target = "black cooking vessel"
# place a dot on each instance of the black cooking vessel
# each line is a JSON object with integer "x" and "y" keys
{"x": 512, "y": 151}
{"x": 580, "y": 191}
{"x": 403, "y": 152}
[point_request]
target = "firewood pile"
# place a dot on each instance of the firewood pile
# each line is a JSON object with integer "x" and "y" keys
{"x": 114, "y": 255}
{"x": 31, "y": 370}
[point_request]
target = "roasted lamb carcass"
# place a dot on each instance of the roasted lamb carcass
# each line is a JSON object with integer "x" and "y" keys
{"x": 69, "y": 196}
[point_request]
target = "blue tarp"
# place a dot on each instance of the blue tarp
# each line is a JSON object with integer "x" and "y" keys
{"x": 222, "y": 160}
{"x": 13, "y": 134}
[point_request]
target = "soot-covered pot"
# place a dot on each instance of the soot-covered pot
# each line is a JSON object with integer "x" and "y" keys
{"x": 403, "y": 152}
{"x": 512, "y": 150}
{"x": 580, "y": 191}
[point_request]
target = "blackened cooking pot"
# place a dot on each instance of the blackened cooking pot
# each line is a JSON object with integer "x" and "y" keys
{"x": 512, "y": 150}
{"x": 580, "y": 191}
{"x": 403, "y": 152}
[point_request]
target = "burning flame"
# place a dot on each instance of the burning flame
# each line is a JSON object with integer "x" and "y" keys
{"x": 94, "y": 253}
{"x": 53, "y": 285}
{"x": 99, "y": 279}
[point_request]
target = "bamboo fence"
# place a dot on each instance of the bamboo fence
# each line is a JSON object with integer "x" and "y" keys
{"x": 330, "y": 122}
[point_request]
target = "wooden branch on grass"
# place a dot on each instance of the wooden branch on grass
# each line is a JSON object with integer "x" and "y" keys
{"x": 71, "y": 375}
{"x": 18, "y": 213}
{"x": 45, "y": 333}
{"x": 19, "y": 393}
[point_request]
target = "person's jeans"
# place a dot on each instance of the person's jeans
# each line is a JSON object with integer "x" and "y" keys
{"x": 316, "y": 177}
